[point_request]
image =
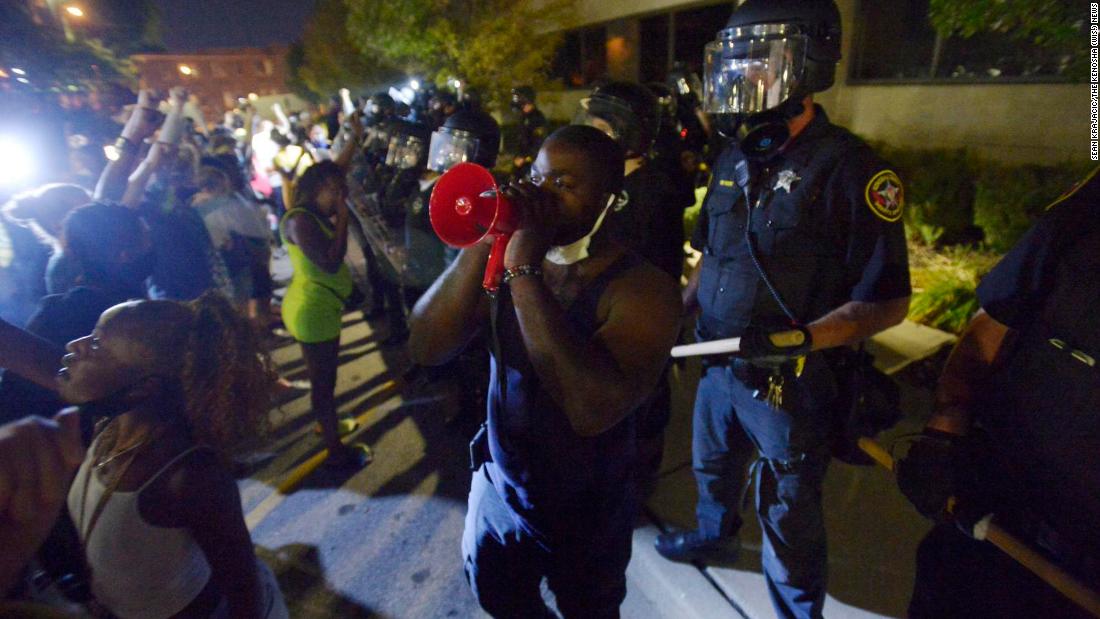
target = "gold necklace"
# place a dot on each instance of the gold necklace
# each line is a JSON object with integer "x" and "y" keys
{"x": 116, "y": 455}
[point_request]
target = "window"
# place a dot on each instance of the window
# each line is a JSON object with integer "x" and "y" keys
{"x": 653, "y": 51}
{"x": 895, "y": 42}
{"x": 695, "y": 28}
{"x": 582, "y": 57}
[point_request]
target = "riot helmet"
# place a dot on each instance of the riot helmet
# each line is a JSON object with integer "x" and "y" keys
{"x": 467, "y": 135}
{"x": 379, "y": 107}
{"x": 666, "y": 101}
{"x": 408, "y": 145}
{"x": 521, "y": 96}
{"x": 442, "y": 105}
{"x": 770, "y": 56}
{"x": 376, "y": 138}
{"x": 626, "y": 111}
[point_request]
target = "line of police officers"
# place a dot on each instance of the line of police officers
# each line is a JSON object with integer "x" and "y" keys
{"x": 801, "y": 233}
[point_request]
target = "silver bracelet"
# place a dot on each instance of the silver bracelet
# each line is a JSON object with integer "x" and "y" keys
{"x": 519, "y": 271}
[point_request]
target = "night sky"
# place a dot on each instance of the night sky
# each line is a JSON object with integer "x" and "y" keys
{"x": 200, "y": 24}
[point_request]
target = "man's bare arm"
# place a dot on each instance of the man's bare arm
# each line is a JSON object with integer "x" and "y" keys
{"x": 452, "y": 311}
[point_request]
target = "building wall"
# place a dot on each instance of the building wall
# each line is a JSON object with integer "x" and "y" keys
{"x": 1035, "y": 123}
{"x": 217, "y": 78}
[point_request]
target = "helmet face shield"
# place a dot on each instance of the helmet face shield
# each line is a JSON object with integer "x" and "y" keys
{"x": 376, "y": 139}
{"x": 615, "y": 118}
{"x": 752, "y": 69}
{"x": 405, "y": 151}
{"x": 450, "y": 147}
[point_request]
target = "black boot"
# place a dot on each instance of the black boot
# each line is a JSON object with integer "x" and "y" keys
{"x": 691, "y": 546}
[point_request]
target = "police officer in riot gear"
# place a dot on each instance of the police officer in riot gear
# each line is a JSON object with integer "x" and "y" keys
{"x": 1015, "y": 430}
{"x": 468, "y": 135}
{"x": 694, "y": 125}
{"x": 532, "y": 129}
{"x": 803, "y": 251}
{"x": 647, "y": 218}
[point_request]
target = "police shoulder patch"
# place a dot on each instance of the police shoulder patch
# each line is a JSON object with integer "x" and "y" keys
{"x": 885, "y": 195}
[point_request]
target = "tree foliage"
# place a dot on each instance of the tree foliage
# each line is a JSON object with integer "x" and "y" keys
{"x": 52, "y": 63}
{"x": 1047, "y": 23}
{"x": 492, "y": 45}
{"x": 1054, "y": 27}
{"x": 124, "y": 26}
{"x": 325, "y": 59}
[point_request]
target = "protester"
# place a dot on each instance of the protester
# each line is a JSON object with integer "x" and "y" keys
{"x": 112, "y": 253}
{"x": 316, "y": 235}
{"x": 581, "y": 333}
{"x": 237, "y": 229}
{"x": 154, "y": 503}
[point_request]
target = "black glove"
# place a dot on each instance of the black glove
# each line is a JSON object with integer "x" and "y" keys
{"x": 926, "y": 475}
{"x": 774, "y": 345}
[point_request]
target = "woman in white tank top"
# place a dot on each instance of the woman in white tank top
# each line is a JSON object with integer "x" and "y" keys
{"x": 156, "y": 508}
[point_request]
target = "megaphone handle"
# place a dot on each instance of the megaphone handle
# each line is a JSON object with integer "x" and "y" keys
{"x": 495, "y": 267}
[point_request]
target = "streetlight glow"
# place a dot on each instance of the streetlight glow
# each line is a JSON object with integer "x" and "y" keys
{"x": 18, "y": 71}
{"x": 414, "y": 84}
{"x": 74, "y": 10}
{"x": 16, "y": 165}
{"x": 186, "y": 70}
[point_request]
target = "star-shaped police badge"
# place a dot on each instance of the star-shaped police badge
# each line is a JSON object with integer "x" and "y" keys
{"x": 786, "y": 180}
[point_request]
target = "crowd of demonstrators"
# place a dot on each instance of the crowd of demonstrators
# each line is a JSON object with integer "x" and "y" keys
{"x": 177, "y": 223}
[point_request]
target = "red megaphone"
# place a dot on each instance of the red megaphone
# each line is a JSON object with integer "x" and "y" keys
{"x": 466, "y": 207}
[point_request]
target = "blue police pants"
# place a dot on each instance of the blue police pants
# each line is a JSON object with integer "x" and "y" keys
{"x": 505, "y": 564}
{"x": 787, "y": 474}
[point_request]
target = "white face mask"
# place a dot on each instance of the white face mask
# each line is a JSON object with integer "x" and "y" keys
{"x": 578, "y": 250}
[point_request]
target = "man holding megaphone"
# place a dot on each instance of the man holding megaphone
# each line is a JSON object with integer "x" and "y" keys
{"x": 581, "y": 330}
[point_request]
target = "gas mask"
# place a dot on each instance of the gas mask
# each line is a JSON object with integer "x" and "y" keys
{"x": 754, "y": 83}
{"x": 578, "y": 250}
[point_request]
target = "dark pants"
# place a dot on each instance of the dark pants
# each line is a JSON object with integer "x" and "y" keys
{"x": 505, "y": 564}
{"x": 728, "y": 423}
{"x": 322, "y": 362}
{"x": 961, "y": 577}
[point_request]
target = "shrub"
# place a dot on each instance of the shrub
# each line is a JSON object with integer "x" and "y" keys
{"x": 945, "y": 282}
{"x": 1009, "y": 199}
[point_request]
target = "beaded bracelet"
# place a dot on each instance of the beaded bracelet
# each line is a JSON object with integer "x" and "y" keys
{"x": 519, "y": 271}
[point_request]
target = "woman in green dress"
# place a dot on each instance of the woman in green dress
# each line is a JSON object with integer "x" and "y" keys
{"x": 316, "y": 235}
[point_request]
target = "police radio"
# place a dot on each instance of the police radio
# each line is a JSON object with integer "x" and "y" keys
{"x": 466, "y": 206}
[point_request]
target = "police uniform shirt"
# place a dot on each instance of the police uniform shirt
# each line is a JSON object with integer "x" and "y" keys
{"x": 826, "y": 227}
{"x": 1041, "y": 407}
{"x": 1014, "y": 291}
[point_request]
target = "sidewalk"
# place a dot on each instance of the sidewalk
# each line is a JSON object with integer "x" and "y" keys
{"x": 873, "y": 531}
